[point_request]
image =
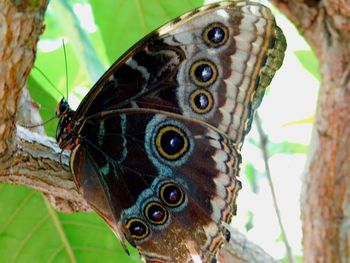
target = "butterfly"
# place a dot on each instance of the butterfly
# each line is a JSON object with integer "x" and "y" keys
{"x": 156, "y": 142}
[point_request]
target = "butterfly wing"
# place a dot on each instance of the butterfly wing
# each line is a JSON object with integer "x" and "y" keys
{"x": 86, "y": 166}
{"x": 212, "y": 64}
{"x": 162, "y": 180}
{"x": 157, "y": 153}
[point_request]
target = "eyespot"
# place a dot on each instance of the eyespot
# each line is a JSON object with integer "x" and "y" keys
{"x": 171, "y": 195}
{"x": 203, "y": 73}
{"x": 138, "y": 229}
{"x": 215, "y": 35}
{"x": 171, "y": 142}
{"x": 156, "y": 213}
{"x": 201, "y": 101}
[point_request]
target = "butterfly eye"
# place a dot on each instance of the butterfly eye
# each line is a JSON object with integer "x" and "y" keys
{"x": 215, "y": 35}
{"x": 137, "y": 228}
{"x": 62, "y": 107}
{"x": 156, "y": 213}
{"x": 203, "y": 73}
{"x": 171, "y": 142}
{"x": 171, "y": 195}
{"x": 201, "y": 101}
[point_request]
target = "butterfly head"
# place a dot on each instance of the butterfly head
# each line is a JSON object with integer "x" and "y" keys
{"x": 64, "y": 132}
{"x": 62, "y": 108}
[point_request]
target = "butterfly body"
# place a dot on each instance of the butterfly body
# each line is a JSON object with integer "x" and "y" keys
{"x": 155, "y": 143}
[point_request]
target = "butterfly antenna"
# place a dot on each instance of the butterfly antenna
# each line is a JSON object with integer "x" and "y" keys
{"x": 66, "y": 65}
{"x": 49, "y": 81}
{"x": 40, "y": 124}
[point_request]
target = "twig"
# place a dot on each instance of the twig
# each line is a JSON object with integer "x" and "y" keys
{"x": 263, "y": 145}
{"x": 241, "y": 250}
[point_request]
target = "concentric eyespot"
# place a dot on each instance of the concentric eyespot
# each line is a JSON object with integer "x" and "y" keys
{"x": 138, "y": 229}
{"x": 203, "y": 73}
{"x": 156, "y": 213}
{"x": 201, "y": 101}
{"x": 171, "y": 195}
{"x": 171, "y": 142}
{"x": 215, "y": 35}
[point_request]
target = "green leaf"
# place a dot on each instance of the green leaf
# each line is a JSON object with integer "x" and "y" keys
{"x": 283, "y": 147}
{"x": 32, "y": 231}
{"x": 297, "y": 259}
{"x": 250, "y": 173}
{"x": 309, "y": 61}
{"x": 122, "y": 23}
{"x": 250, "y": 221}
{"x": 287, "y": 147}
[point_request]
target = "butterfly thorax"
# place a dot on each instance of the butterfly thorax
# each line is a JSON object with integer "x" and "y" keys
{"x": 65, "y": 133}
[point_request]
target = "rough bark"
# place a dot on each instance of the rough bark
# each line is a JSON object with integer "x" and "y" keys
{"x": 21, "y": 23}
{"x": 326, "y": 192}
{"x": 241, "y": 250}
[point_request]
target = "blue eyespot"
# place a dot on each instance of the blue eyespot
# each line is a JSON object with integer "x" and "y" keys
{"x": 156, "y": 213}
{"x": 171, "y": 195}
{"x": 137, "y": 228}
{"x": 215, "y": 35}
{"x": 203, "y": 73}
{"x": 201, "y": 101}
{"x": 171, "y": 142}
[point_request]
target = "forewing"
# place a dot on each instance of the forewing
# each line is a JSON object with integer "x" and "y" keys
{"x": 212, "y": 64}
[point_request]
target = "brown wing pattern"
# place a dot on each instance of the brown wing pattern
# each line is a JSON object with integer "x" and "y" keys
{"x": 156, "y": 141}
{"x": 129, "y": 159}
{"x": 212, "y": 64}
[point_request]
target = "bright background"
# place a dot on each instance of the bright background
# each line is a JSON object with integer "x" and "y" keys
{"x": 96, "y": 33}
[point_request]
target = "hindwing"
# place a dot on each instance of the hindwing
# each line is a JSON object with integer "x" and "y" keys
{"x": 164, "y": 177}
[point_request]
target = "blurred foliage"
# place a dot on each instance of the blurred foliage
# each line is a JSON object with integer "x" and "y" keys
{"x": 31, "y": 231}
{"x": 251, "y": 174}
{"x": 250, "y": 221}
{"x": 309, "y": 61}
{"x": 296, "y": 260}
{"x": 122, "y": 23}
{"x": 282, "y": 147}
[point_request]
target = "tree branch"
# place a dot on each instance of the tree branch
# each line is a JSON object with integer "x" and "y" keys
{"x": 37, "y": 162}
{"x": 326, "y": 194}
{"x": 263, "y": 146}
{"x": 21, "y": 25}
{"x": 241, "y": 250}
